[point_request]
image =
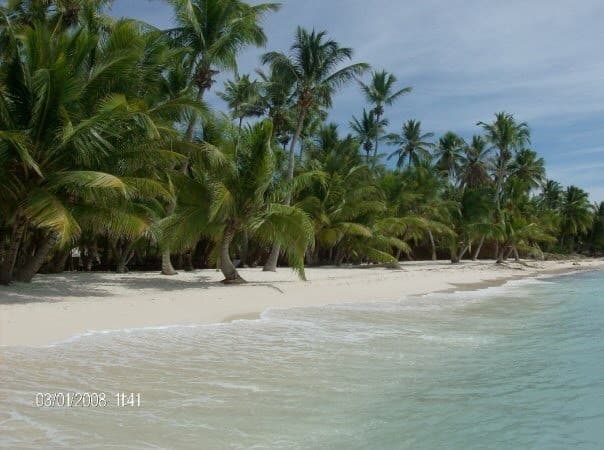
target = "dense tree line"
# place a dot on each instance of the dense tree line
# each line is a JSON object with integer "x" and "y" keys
{"x": 108, "y": 151}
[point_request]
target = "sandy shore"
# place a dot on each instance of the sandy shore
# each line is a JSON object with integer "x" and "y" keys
{"x": 56, "y": 307}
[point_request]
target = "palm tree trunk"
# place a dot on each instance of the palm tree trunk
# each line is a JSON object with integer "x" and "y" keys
{"x": 377, "y": 134}
{"x": 59, "y": 261}
{"x": 166, "y": 264}
{"x": 292, "y": 147}
{"x": 8, "y": 265}
{"x": 478, "y": 248}
{"x": 508, "y": 254}
{"x": 463, "y": 252}
{"x": 189, "y": 261}
{"x": 273, "y": 258}
{"x": 121, "y": 264}
{"x": 123, "y": 256}
{"x": 27, "y": 272}
{"x": 516, "y": 255}
{"x": 226, "y": 264}
{"x": 271, "y": 262}
{"x": 432, "y": 244}
{"x": 500, "y": 254}
{"x": 454, "y": 255}
{"x": 193, "y": 120}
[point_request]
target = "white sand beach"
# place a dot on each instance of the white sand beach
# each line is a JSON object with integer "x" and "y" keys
{"x": 54, "y": 308}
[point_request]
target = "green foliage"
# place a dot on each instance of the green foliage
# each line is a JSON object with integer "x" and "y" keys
{"x": 106, "y": 146}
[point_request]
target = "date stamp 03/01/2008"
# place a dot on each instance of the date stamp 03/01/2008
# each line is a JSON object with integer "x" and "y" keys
{"x": 88, "y": 400}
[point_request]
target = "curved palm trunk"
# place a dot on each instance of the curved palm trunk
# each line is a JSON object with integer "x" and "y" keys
{"x": 271, "y": 262}
{"x": 29, "y": 270}
{"x": 166, "y": 264}
{"x": 433, "y": 245}
{"x": 478, "y": 249}
{"x": 273, "y": 257}
{"x": 226, "y": 264}
{"x": 8, "y": 265}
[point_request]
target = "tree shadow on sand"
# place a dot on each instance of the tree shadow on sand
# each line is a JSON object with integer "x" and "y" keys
{"x": 53, "y": 288}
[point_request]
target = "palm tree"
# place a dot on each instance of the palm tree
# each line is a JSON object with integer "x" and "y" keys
{"x": 597, "y": 229}
{"x": 448, "y": 154}
{"x": 234, "y": 197}
{"x": 215, "y": 31}
{"x": 473, "y": 164}
{"x": 528, "y": 168}
{"x": 551, "y": 195}
{"x": 79, "y": 138}
{"x": 412, "y": 145}
{"x": 367, "y": 129}
{"x": 576, "y": 214}
{"x": 242, "y": 96}
{"x": 314, "y": 68}
{"x": 276, "y": 90}
{"x": 380, "y": 91}
{"x": 505, "y": 135}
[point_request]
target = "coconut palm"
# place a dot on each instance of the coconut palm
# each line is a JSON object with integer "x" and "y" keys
{"x": 276, "y": 90}
{"x": 242, "y": 96}
{"x": 597, "y": 229}
{"x": 314, "y": 66}
{"x": 380, "y": 91}
{"x": 576, "y": 216}
{"x": 505, "y": 135}
{"x": 448, "y": 154}
{"x": 78, "y": 139}
{"x": 411, "y": 144}
{"x": 528, "y": 168}
{"x": 214, "y": 32}
{"x": 367, "y": 129}
{"x": 235, "y": 197}
{"x": 473, "y": 164}
{"x": 551, "y": 195}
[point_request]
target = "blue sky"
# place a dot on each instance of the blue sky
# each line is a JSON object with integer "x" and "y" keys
{"x": 465, "y": 59}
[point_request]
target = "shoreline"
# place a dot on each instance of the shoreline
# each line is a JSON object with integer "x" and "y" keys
{"x": 56, "y": 308}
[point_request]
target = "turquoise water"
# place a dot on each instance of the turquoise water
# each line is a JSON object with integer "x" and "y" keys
{"x": 514, "y": 367}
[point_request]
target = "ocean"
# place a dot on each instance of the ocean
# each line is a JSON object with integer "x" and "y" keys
{"x": 520, "y": 366}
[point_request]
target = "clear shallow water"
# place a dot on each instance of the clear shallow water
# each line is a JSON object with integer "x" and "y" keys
{"x": 520, "y": 366}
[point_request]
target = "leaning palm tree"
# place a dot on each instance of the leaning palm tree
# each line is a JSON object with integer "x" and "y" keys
{"x": 78, "y": 135}
{"x": 215, "y": 31}
{"x": 411, "y": 144}
{"x": 380, "y": 91}
{"x": 235, "y": 197}
{"x": 313, "y": 65}
{"x": 367, "y": 129}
